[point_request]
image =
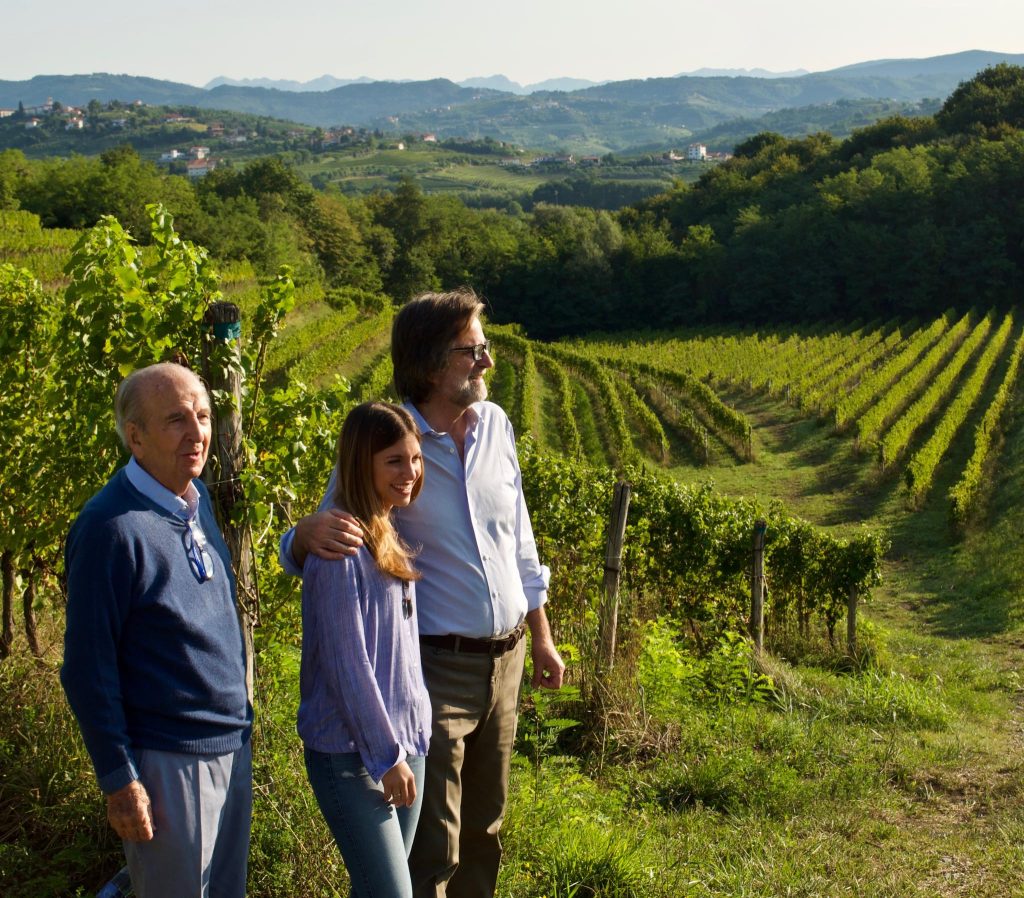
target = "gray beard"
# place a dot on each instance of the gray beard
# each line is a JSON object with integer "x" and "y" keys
{"x": 473, "y": 391}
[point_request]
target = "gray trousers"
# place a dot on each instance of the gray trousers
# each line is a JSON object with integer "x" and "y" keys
{"x": 202, "y": 810}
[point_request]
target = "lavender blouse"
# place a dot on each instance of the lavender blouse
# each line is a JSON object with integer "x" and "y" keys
{"x": 361, "y": 683}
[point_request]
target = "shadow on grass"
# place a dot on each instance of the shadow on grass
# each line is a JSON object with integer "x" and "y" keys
{"x": 976, "y": 585}
{"x": 832, "y": 468}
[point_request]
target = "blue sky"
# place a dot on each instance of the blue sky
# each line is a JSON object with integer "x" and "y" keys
{"x": 527, "y": 40}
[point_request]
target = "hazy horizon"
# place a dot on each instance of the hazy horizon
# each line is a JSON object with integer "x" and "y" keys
{"x": 194, "y": 42}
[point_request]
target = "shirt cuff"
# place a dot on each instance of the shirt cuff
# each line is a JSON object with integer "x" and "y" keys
{"x": 118, "y": 779}
{"x": 378, "y": 774}
{"x": 285, "y": 555}
{"x": 536, "y": 589}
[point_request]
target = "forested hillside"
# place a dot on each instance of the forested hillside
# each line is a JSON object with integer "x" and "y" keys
{"x": 906, "y": 217}
{"x": 611, "y": 117}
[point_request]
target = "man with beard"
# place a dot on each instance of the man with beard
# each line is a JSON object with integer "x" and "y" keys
{"x": 482, "y": 587}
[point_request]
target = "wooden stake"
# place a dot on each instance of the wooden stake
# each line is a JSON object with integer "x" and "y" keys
{"x": 757, "y": 588}
{"x": 222, "y": 366}
{"x": 851, "y": 622}
{"x": 612, "y": 569}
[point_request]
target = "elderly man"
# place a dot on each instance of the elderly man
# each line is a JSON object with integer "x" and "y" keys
{"x": 154, "y": 663}
{"x": 482, "y": 586}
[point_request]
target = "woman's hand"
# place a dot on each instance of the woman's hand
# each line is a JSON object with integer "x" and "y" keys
{"x": 399, "y": 785}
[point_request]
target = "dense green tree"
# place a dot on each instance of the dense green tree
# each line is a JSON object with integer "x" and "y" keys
{"x": 339, "y": 244}
{"x": 987, "y": 103}
{"x": 405, "y": 262}
{"x": 14, "y": 170}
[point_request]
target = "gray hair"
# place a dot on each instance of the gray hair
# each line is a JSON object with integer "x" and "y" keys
{"x": 129, "y": 401}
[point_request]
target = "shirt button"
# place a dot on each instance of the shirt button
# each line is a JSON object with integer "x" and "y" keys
{"x": 451, "y": 451}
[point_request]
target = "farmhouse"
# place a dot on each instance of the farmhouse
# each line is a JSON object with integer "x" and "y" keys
{"x": 696, "y": 152}
{"x": 197, "y": 168}
{"x": 45, "y": 109}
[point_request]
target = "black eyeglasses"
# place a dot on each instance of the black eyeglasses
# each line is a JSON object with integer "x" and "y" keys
{"x": 476, "y": 351}
{"x": 199, "y": 559}
{"x": 406, "y": 600}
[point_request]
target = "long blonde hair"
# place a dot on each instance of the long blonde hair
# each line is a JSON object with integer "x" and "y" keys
{"x": 368, "y": 429}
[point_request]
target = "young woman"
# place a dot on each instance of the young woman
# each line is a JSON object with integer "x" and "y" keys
{"x": 364, "y": 715}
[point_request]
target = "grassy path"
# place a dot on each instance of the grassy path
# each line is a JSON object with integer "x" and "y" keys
{"x": 948, "y": 819}
{"x": 952, "y": 610}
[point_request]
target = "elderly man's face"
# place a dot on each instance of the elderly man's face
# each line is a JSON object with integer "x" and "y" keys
{"x": 174, "y": 441}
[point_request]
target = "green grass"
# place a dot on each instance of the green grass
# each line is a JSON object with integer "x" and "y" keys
{"x": 900, "y": 779}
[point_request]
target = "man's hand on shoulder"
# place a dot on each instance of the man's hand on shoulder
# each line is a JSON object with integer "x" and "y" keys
{"x": 329, "y": 534}
{"x": 130, "y": 813}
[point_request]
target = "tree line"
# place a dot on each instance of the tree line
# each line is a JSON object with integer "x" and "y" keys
{"x": 906, "y": 217}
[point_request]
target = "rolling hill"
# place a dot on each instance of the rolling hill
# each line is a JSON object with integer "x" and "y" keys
{"x": 612, "y": 116}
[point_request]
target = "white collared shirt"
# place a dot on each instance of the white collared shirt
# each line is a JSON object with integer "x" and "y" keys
{"x": 477, "y": 554}
{"x": 185, "y": 507}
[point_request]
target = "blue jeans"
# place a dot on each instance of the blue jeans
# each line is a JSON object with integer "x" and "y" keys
{"x": 374, "y": 837}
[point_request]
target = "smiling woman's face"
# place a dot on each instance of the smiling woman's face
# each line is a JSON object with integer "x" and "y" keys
{"x": 396, "y": 470}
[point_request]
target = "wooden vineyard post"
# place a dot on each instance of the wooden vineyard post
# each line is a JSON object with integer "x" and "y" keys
{"x": 851, "y": 622}
{"x": 9, "y": 573}
{"x": 222, "y": 366}
{"x": 757, "y": 588}
{"x": 612, "y": 568}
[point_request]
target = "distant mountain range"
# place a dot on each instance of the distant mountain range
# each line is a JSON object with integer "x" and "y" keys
{"x": 329, "y": 82}
{"x": 572, "y": 114}
{"x": 742, "y": 73}
{"x": 324, "y": 82}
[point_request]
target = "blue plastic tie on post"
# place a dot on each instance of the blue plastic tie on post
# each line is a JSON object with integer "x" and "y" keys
{"x": 227, "y": 330}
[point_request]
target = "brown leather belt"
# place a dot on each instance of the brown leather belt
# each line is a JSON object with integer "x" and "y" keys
{"x": 495, "y": 647}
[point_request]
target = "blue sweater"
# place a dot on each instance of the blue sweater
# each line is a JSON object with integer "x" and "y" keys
{"x": 153, "y": 658}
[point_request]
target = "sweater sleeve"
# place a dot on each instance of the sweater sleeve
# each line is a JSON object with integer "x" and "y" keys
{"x": 99, "y": 565}
{"x": 338, "y": 594}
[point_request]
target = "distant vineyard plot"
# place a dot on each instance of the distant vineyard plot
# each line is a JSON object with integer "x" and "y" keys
{"x": 902, "y": 391}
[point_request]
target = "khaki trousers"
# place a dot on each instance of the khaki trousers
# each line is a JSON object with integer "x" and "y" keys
{"x": 475, "y": 700}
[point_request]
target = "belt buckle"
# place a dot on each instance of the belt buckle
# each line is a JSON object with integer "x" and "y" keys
{"x": 510, "y": 641}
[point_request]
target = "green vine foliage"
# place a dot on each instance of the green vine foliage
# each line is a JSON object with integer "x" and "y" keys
{"x": 691, "y": 547}
{"x": 125, "y": 308}
{"x": 27, "y": 326}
